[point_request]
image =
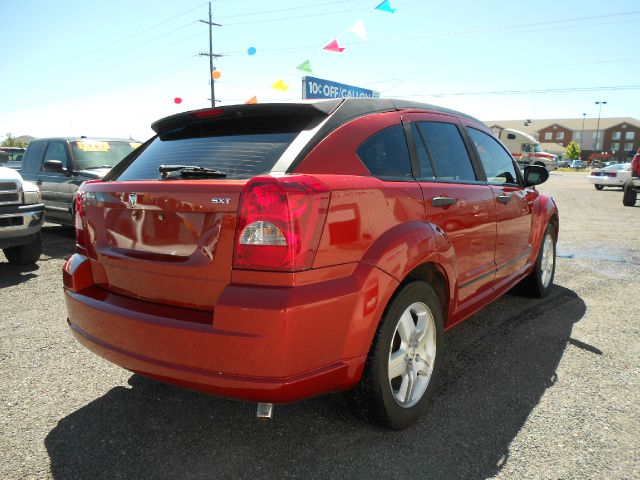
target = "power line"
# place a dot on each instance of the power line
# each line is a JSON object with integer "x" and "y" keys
{"x": 73, "y": 73}
{"x": 305, "y": 7}
{"x": 295, "y": 17}
{"x": 517, "y": 27}
{"x": 531, "y": 91}
{"x": 97, "y": 49}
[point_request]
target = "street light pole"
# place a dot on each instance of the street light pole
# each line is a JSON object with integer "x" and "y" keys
{"x": 598, "y": 126}
{"x": 582, "y": 132}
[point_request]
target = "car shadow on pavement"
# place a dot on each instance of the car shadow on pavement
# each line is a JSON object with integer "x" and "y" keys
{"x": 11, "y": 275}
{"x": 57, "y": 241}
{"x": 498, "y": 365}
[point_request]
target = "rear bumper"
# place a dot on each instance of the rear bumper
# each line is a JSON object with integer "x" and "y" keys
{"x": 608, "y": 181}
{"x": 265, "y": 344}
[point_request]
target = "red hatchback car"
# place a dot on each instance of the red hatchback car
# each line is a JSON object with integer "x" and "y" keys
{"x": 273, "y": 252}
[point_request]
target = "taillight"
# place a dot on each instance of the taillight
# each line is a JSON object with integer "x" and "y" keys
{"x": 635, "y": 165}
{"x": 280, "y": 222}
{"x": 81, "y": 234}
{"x": 79, "y": 217}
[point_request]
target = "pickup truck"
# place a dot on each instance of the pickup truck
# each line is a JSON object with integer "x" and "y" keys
{"x": 21, "y": 217}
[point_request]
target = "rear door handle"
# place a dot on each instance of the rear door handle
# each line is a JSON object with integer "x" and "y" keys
{"x": 442, "y": 201}
{"x": 503, "y": 198}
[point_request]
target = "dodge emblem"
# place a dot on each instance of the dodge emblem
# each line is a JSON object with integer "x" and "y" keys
{"x": 133, "y": 199}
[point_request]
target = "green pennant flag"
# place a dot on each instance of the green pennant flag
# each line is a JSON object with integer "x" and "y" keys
{"x": 305, "y": 67}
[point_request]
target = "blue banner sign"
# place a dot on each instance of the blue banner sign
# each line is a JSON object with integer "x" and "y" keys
{"x": 319, "y": 88}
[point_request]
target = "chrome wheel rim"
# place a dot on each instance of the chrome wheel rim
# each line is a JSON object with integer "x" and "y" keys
{"x": 546, "y": 264}
{"x": 412, "y": 354}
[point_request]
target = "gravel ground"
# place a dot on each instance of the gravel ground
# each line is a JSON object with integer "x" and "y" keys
{"x": 531, "y": 389}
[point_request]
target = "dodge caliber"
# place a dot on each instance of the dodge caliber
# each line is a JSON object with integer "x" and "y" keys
{"x": 274, "y": 252}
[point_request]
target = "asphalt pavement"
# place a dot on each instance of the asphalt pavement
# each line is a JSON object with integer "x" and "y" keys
{"x": 543, "y": 389}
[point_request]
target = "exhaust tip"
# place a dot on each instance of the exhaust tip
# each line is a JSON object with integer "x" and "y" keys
{"x": 265, "y": 411}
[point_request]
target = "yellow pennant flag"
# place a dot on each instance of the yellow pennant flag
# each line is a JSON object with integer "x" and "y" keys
{"x": 279, "y": 85}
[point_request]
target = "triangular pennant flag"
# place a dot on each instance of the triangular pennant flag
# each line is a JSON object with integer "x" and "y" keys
{"x": 305, "y": 66}
{"x": 279, "y": 85}
{"x": 386, "y": 7}
{"x": 334, "y": 47}
{"x": 359, "y": 31}
{"x": 253, "y": 99}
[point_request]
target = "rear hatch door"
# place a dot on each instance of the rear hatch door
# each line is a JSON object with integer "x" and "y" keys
{"x": 171, "y": 240}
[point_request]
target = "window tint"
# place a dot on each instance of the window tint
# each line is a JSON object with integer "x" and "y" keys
{"x": 239, "y": 156}
{"x": 385, "y": 154}
{"x": 447, "y": 151}
{"x": 32, "y": 157}
{"x": 426, "y": 169}
{"x": 497, "y": 163}
{"x": 56, "y": 151}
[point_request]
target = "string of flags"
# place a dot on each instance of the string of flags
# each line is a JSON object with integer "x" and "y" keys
{"x": 358, "y": 29}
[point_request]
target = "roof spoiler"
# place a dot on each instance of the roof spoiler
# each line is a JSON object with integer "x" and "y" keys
{"x": 311, "y": 109}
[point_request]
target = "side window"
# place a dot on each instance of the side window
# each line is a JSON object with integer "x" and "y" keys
{"x": 385, "y": 153}
{"x": 448, "y": 154}
{"x": 497, "y": 163}
{"x": 56, "y": 151}
{"x": 33, "y": 156}
{"x": 426, "y": 169}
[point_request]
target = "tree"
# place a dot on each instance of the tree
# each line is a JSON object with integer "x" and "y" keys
{"x": 573, "y": 151}
{"x": 11, "y": 141}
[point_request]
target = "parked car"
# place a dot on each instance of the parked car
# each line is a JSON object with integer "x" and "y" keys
{"x": 11, "y": 157}
{"x": 611, "y": 176}
{"x": 632, "y": 183}
{"x": 577, "y": 164}
{"x": 59, "y": 165}
{"x": 564, "y": 163}
{"x": 21, "y": 217}
{"x": 273, "y": 252}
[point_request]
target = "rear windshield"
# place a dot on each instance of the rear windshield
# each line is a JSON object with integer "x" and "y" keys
{"x": 100, "y": 154}
{"x": 238, "y": 156}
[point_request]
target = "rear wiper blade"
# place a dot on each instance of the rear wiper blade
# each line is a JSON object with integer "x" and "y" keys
{"x": 172, "y": 172}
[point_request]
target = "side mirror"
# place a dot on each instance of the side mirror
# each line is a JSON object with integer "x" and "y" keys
{"x": 54, "y": 166}
{"x": 535, "y": 175}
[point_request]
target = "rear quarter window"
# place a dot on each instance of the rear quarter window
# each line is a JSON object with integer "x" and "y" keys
{"x": 385, "y": 154}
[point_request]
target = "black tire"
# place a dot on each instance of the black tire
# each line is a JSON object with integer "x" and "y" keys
{"x": 599, "y": 187}
{"x": 629, "y": 194}
{"x": 375, "y": 398}
{"x": 540, "y": 281}
{"x": 25, "y": 254}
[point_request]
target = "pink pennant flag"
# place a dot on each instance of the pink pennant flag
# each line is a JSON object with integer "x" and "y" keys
{"x": 253, "y": 99}
{"x": 359, "y": 31}
{"x": 334, "y": 47}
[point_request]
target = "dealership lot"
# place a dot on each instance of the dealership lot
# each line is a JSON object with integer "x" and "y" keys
{"x": 532, "y": 388}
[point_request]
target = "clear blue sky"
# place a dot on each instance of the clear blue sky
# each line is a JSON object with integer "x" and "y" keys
{"x": 111, "y": 68}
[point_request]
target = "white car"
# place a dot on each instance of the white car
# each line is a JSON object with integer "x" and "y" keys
{"x": 611, "y": 176}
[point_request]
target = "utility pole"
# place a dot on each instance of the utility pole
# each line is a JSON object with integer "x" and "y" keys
{"x": 211, "y": 55}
